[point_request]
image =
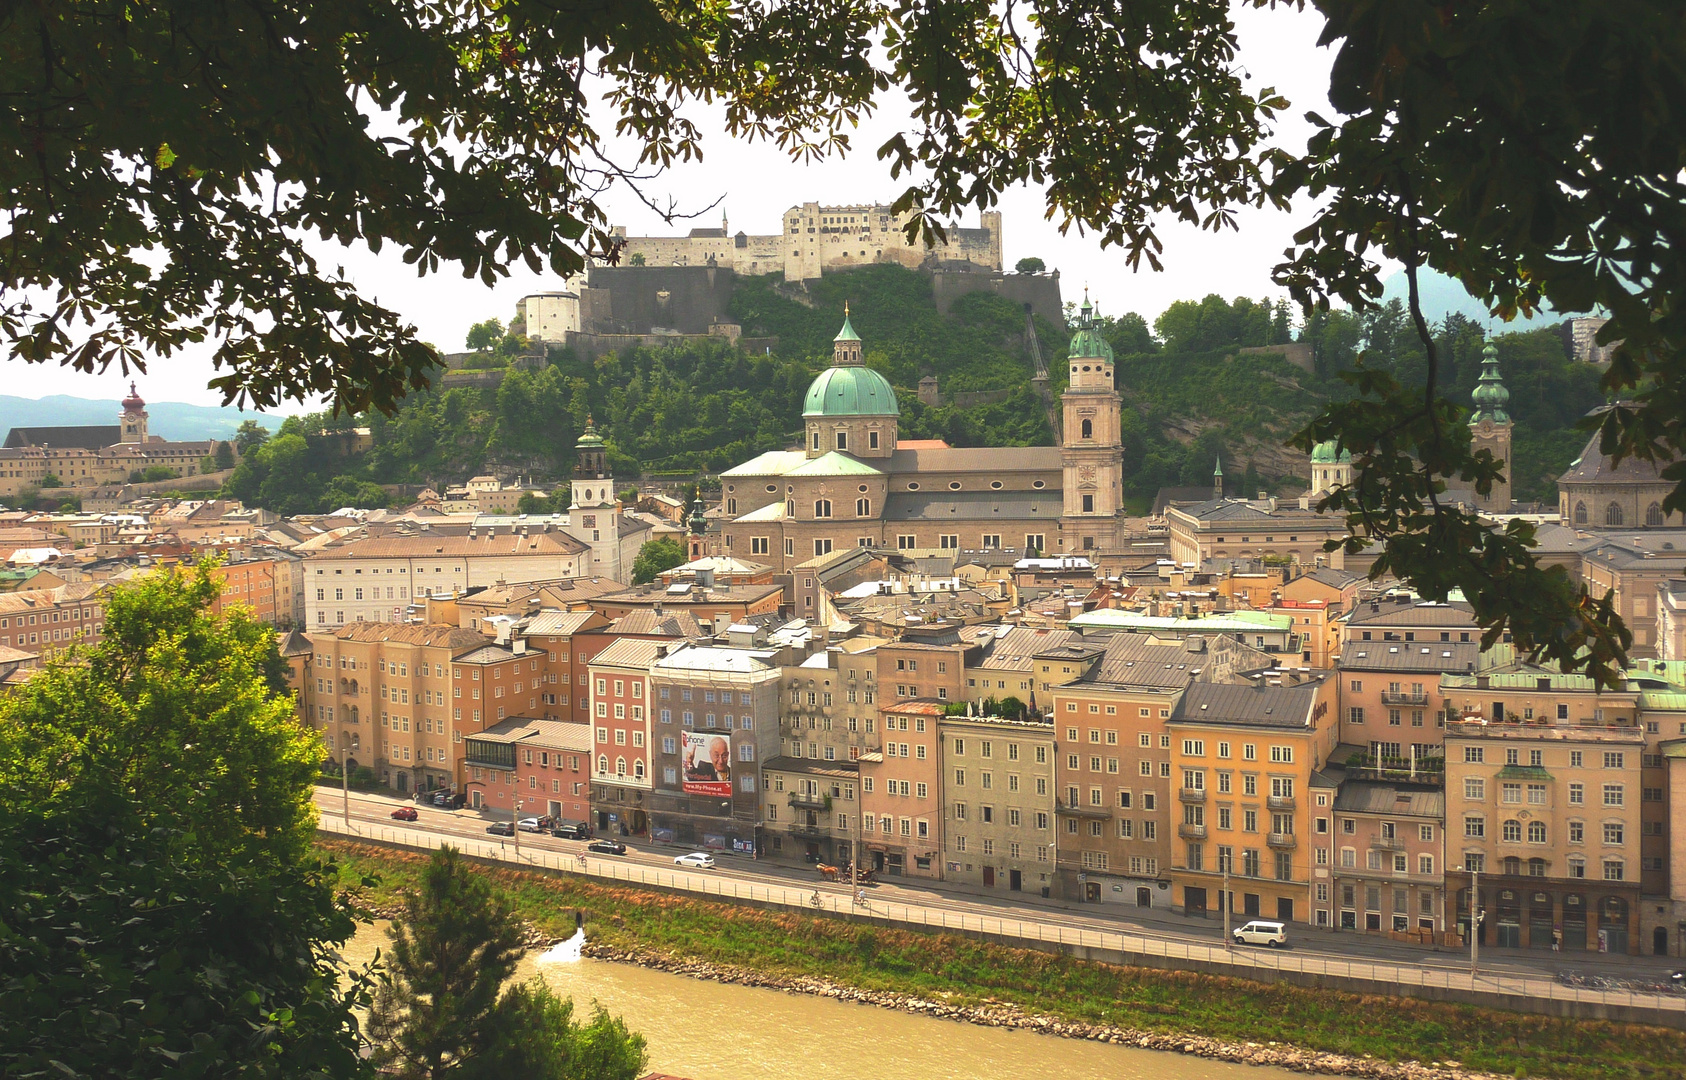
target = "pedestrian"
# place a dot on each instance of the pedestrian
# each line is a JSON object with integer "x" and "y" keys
{"x": 1556, "y": 939}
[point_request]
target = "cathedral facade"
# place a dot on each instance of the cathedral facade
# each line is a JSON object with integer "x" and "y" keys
{"x": 855, "y": 483}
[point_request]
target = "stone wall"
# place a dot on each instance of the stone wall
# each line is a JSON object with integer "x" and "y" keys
{"x": 1040, "y": 291}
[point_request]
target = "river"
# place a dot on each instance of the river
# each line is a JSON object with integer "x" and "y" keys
{"x": 718, "y": 1031}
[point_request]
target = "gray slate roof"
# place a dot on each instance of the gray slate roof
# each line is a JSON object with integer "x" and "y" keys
{"x": 1253, "y": 705}
{"x": 973, "y": 506}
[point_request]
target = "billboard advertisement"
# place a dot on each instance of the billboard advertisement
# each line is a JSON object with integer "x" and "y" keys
{"x": 706, "y": 759}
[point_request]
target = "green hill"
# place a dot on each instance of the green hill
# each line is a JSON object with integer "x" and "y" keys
{"x": 699, "y": 407}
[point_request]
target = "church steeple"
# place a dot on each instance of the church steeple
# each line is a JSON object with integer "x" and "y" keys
{"x": 1490, "y": 428}
{"x": 1091, "y": 440}
{"x": 1218, "y": 478}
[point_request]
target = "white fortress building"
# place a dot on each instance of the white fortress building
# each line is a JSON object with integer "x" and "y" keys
{"x": 816, "y": 240}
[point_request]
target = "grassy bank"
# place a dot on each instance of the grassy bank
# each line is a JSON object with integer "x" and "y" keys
{"x": 967, "y": 972}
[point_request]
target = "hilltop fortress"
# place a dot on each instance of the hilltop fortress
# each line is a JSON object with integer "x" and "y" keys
{"x": 665, "y": 289}
{"x": 818, "y": 240}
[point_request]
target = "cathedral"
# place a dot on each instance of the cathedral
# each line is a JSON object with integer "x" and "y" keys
{"x": 855, "y": 483}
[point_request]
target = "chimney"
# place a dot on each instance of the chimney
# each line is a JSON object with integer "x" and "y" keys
{"x": 1305, "y": 502}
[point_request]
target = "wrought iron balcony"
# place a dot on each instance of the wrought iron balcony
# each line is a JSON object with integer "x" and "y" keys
{"x": 1285, "y": 840}
{"x": 1405, "y": 697}
{"x": 804, "y": 801}
{"x": 1192, "y": 795}
{"x": 1280, "y": 802}
{"x": 1191, "y": 832}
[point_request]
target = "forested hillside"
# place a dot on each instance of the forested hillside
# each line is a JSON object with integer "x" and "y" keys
{"x": 699, "y": 407}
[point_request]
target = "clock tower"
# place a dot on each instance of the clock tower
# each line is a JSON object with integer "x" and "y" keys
{"x": 1092, "y": 445}
{"x": 594, "y": 511}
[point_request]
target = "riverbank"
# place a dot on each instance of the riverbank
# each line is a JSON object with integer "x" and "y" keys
{"x": 1210, "y": 1016}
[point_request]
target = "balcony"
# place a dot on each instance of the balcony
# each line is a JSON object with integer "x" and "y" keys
{"x": 1081, "y": 811}
{"x": 1387, "y": 843}
{"x": 1280, "y": 802}
{"x": 1283, "y": 840}
{"x": 1192, "y": 794}
{"x": 1405, "y": 697}
{"x": 808, "y": 832}
{"x": 805, "y": 801}
{"x": 1191, "y": 832}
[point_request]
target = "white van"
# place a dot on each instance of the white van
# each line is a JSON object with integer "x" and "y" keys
{"x": 1260, "y": 932}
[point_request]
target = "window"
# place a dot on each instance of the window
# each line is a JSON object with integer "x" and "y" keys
{"x": 1475, "y": 788}
{"x": 1613, "y": 795}
{"x": 1475, "y": 826}
{"x": 1613, "y": 832}
{"x": 1536, "y": 832}
{"x": 822, "y": 508}
{"x": 1474, "y": 754}
{"x": 1577, "y": 794}
{"x": 1614, "y": 759}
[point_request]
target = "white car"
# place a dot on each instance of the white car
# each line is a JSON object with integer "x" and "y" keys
{"x": 701, "y": 860}
{"x": 1262, "y": 932}
{"x": 530, "y": 824}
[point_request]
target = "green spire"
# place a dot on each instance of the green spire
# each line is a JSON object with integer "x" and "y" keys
{"x": 848, "y": 331}
{"x": 589, "y": 438}
{"x": 1490, "y": 396}
{"x": 699, "y": 520}
{"x": 1218, "y": 467}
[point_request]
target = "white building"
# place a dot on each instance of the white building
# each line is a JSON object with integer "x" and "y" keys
{"x": 376, "y": 579}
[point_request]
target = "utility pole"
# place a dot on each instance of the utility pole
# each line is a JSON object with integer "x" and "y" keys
{"x": 1229, "y": 942}
{"x": 516, "y": 832}
{"x": 1476, "y": 916}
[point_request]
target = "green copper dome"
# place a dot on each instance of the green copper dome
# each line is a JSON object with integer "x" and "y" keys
{"x": 1490, "y": 397}
{"x": 589, "y": 438}
{"x": 1324, "y": 454}
{"x": 850, "y": 391}
{"x": 1087, "y": 343}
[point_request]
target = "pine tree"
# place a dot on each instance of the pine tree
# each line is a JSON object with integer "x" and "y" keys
{"x": 446, "y": 1011}
{"x": 452, "y": 951}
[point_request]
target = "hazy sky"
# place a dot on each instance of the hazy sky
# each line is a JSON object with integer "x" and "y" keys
{"x": 757, "y": 182}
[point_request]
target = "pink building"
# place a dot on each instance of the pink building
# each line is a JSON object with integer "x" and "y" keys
{"x": 531, "y": 768}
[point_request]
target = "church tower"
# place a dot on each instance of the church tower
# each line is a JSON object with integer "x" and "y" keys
{"x": 133, "y": 428}
{"x": 1093, "y": 451}
{"x": 1329, "y": 469}
{"x": 1490, "y": 429}
{"x": 593, "y": 513}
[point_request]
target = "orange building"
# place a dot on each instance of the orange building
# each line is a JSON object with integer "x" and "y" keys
{"x": 901, "y": 791}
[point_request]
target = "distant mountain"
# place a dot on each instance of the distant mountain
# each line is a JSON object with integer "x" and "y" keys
{"x": 168, "y": 419}
{"x": 1441, "y": 295}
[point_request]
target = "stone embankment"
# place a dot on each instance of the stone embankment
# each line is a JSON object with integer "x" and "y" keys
{"x": 1006, "y": 1015}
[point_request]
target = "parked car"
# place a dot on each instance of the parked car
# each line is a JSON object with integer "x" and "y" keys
{"x": 572, "y": 830}
{"x": 447, "y": 800}
{"x": 501, "y": 828}
{"x": 1262, "y": 932}
{"x": 531, "y": 824}
{"x": 404, "y": 813}
{"x": 701, "y": 860}
{"x": 607, "y": 847}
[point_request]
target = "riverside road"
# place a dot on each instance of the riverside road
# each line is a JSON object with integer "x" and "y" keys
{"x": 1157, "y": 931}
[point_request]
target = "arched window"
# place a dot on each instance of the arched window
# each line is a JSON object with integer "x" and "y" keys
{"x": 1580, "y": 513}
{"x": 1512, "y": 865}
{"x": 1513, "y": 832}
{"x": 1536, "y": 832}
{"x": 1613, "y": 514}
{"x": 603, "y": 764}
{"x": 1654, "y": 515}
{"x": 638, "y": 769}
{"x": 620, "y": 766}
{"x": 863, "y": 507}
{"x": 1088, "y": 429}
{"x": 1536, "y": 868}
{"x": 822, "y": 508}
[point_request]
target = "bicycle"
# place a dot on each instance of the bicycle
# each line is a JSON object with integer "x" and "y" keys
{"x": 815, "y": 901}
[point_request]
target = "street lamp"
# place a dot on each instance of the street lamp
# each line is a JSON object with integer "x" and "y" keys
{"x": 1054, "y": 858}
{"x": 516, "y": 832}
{"x": 345, "y": 777}
{"x": 1475, "y": 918}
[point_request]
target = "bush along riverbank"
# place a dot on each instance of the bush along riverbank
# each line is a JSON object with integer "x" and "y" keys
{"x": 1293, "y": 1027}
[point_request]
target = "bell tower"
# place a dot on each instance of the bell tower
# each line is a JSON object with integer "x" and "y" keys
{"x": 1489, "y": 429}
{"x": 133, "y": 429}
{"x": 593, "y": 512}
{"x": 1092, "y": 445}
